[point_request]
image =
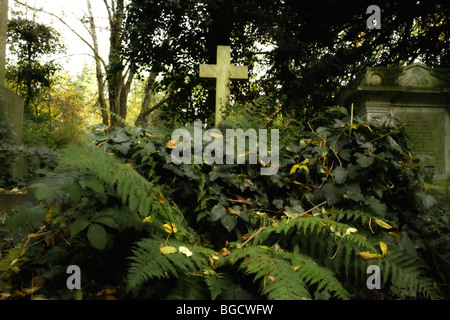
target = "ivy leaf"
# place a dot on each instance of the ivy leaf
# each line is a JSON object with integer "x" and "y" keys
{"x": 229, "y": 222}
{"x": 354, "y": 191}
{"x": 364, "y": 161}
{"x": 97, "y": 236}
{"x": 333, "y": 193}
{"x": 218, "y": 212}
{"x": 376, "y": 206}
{"x": 340, "y": 175}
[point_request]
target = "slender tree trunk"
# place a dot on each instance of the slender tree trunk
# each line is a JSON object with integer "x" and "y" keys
{"x": 98, "y": 67}
{"x": 149, "y": 100}
{"x": 117, "y": 87}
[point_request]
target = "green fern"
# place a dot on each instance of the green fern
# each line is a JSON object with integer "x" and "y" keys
{"x": 133, "y": 190}
{"x": 150, "y": 262}
{"x": 286, "y": 275}
{"x": 334, "y": 247}
{"x": 131, "y": 187}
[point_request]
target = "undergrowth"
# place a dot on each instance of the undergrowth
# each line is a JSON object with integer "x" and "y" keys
{"x": 348, "y": 194}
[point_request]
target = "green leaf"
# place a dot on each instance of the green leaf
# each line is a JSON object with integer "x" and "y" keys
{"x": 97, "y": 236}
{"x": 78, "y": 226}
{"x": 354, "y": 191}
{"x": 74, "y": 190}
{"x": 218, "y": 212}
{"x": 340, "y": 175}
{"x": 107, "y": 221}
{"x": 364, "y": 161}
{"x": 93, "y": 183}
{"x": 377, "y": 207}
{"x": 229, "y": 222}
{"x": 333, "y": 193}
{"x": 44, "y": 193}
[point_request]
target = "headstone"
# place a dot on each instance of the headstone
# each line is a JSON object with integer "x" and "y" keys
{"x": 418, "y": 96}
{"x": 223, "y": 71}
{"x": 3, "y": 30}
{"x": 11, "y": 105}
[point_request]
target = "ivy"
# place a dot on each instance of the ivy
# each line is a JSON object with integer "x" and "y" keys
{"x": 346, "y": 195}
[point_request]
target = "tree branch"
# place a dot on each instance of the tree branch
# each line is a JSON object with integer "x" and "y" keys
{"x": 66, "y": 24}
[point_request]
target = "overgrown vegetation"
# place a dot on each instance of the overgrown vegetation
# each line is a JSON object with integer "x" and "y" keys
{"x": 347, "y": 194}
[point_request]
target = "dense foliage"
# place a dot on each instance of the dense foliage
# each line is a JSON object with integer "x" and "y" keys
{"x": 347, "y": 194}
{"x": 310, "y": 50}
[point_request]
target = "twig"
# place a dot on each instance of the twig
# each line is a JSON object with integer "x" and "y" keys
{"x": 240, "y": 246}
{"x": 315, "y": 207}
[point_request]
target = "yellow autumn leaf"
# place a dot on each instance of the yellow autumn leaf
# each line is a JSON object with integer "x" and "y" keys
{"x": 395, "y": 235}
{"x": 172, "y": 144}
{"x": 148, "y": 220}
{"x": 382, "y": 224}
{"x": 48, "y": 216}
{"x": 350, "y": 230}
{"x": 185, "y": 251}
{"x": 170, "y": 228}
{"x": 215, "y": 134}
{"x": 300, "y": 166}
{"x": 160, "y": 197}
{"x": 367, "y": 255}
{"x": 168, "y": 250}
{"x": 383, "y": 247}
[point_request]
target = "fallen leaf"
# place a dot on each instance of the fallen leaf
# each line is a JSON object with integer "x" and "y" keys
{"x": 148, "y": 220}
{"x": 215, "y": 134}
{"x": 367, "y": 255}
{"x": 185, "y": 251}
{"x": 170, "y": 228}
{"x": 224, "y": 252}
{"x": 383, "y": 248}
{"x": 394, "y": 234}
{"x": 172, "y": 144}
{"x": 382, "y": 224}
{"x": 350, "y": 231}
{"x": 160, "y": 197}
{"x": 50, "y": 241}
{"x": 168, "y": 250}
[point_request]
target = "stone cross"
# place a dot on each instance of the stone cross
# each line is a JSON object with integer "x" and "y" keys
{"x": 223, "y": 71}
{"x": 3, "y": 30}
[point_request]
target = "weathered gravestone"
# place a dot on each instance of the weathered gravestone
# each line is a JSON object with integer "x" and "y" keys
{"x": 11, "y": 105}
{"x": 223, "y": 71}
{"x": 418, "y": 96}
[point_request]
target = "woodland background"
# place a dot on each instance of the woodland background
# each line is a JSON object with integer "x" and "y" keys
{"x": 348, "y": 193}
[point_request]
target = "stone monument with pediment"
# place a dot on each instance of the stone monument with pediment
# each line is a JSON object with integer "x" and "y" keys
{"x": 418, "y": 96}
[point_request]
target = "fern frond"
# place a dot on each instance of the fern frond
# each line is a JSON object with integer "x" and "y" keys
{"x": 406, "y": 274}
{"x": 286, "y": 275}
{"x": 148, "y": 262}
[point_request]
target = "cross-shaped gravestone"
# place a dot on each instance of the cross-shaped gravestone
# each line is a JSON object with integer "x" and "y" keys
{"x": 223, "y": 71}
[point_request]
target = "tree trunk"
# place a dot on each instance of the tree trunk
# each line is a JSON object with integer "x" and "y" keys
{"x": 149, "y": 100}
{"x": 98, "y": 68}
{"x": 117, "y": 88}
